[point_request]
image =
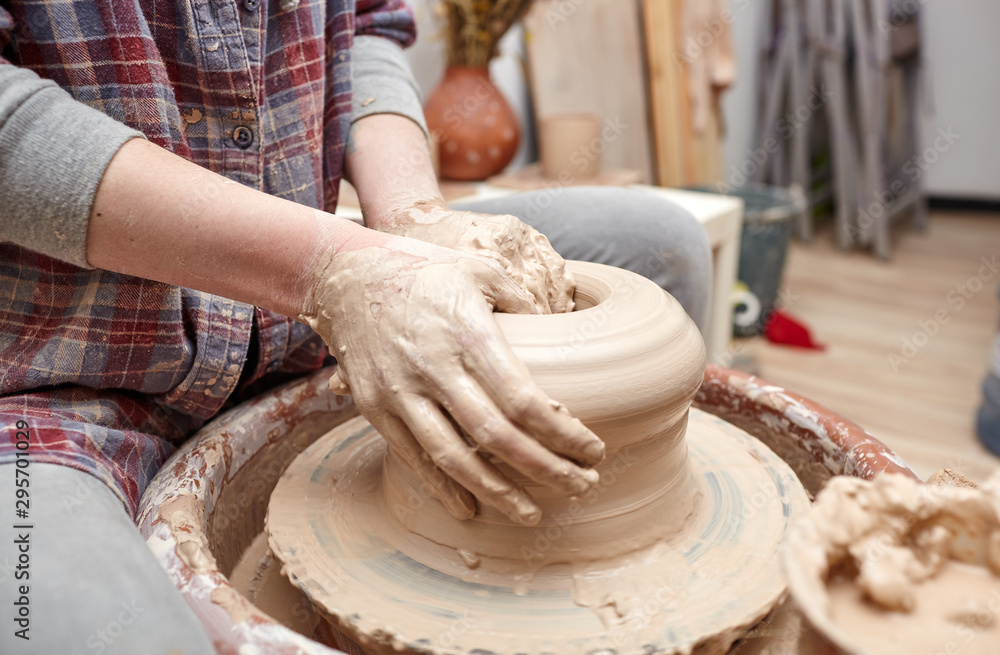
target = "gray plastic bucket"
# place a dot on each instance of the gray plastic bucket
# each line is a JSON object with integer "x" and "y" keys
{"x": 769, "y": 214}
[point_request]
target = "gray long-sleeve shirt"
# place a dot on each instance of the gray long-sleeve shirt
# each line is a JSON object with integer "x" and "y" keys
{"x": 54, "y": 150}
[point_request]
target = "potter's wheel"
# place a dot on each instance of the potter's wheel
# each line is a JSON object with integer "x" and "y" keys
{"x": 676, "y": 553}
{"x": 392, "y": 590}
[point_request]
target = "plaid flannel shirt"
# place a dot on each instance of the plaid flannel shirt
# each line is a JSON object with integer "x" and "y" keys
{"x": 109, "y": 371}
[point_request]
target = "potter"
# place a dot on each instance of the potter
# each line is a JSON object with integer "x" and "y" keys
{"x": 177, "y": 234}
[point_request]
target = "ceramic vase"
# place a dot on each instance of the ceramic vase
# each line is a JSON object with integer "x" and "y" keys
{"x": 474, "y": 126}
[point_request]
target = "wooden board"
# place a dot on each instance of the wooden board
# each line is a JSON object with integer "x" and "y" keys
{"x": 587, "y": 57}
{"x": 683, "y": 156}
{"x": 669, "y": 120}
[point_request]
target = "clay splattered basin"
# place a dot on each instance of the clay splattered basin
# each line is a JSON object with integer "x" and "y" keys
{"x": 897, "y": 566}
{"x": 207, "y": 504}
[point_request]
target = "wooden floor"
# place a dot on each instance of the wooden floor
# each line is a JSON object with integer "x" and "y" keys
{"x": 922, "y": 404}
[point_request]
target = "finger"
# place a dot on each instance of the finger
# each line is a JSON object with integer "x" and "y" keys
{"x": 447, "y": 491}
{"x": 506, "y": 380}
{"x": 508, "y": 235}
{"x": 466, "y": 402}
{"x": 452, "y": 455}
{"x": 561, "y": 282}
{"x": 525, "y": 266}
{"x": 338, "y": 382}
{"x": 500, "y": 289}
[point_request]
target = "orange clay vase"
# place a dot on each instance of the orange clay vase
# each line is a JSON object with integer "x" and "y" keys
{"x": 474, "y": 126}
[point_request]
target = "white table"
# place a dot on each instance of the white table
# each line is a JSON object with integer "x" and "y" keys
{"x": 722, "y": 218}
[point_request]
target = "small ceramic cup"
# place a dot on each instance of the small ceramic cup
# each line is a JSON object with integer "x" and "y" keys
{"x": 570, "y": 146}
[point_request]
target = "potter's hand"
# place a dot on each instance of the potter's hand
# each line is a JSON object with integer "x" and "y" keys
{"x": 389, "y": 164}
{"x": 412, "y": 328}
{"x": 525, "y": 254}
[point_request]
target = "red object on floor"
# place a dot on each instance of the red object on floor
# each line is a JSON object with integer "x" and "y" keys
{"x": 782, "y": 329}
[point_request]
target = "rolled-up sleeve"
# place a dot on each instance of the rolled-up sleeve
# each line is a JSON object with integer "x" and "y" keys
{"x": 53, "y": 153}
{"x": 383, "y": 82}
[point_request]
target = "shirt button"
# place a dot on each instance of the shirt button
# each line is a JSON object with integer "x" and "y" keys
{"x": 243, "y": 136}
{"x": 251, "y": 5}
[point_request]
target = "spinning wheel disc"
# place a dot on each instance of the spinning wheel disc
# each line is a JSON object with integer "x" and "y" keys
{"x": 340, "y": 542}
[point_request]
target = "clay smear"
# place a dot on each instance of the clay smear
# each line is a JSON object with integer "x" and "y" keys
{"x": 257, "y": 576}
{"x": 956, "y": 610}
{"x": 896, "y": 566}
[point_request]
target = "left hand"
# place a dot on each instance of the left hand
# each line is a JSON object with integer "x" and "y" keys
{"x": 412, "y": 327}
{"x": 524, "y": 253}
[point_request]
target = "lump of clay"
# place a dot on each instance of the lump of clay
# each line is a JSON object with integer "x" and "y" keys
{"x": 894, "y": 565}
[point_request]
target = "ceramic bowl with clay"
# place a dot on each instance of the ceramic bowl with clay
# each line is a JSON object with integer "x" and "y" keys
{"x": 896, "y": 566}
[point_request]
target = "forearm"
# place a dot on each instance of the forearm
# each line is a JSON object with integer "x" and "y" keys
{"x": 160, "y": 217}
{"x": 389, "y": 163}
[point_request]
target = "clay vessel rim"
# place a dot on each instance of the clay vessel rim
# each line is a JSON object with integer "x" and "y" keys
{"x": 604, "y": 288}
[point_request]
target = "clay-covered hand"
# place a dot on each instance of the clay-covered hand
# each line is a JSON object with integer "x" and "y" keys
{"x": 525, "y": 254}
{"x": 412, "y": 328}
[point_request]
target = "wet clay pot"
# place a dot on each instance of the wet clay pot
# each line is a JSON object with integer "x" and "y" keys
{"x": 474, "y": 126}
{"x": 206, "y": 507}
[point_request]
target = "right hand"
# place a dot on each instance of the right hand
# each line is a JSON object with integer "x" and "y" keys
{"x": 412, "y": 328}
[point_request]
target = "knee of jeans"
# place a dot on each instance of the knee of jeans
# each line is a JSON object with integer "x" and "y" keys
{"x": 677, "y": 248}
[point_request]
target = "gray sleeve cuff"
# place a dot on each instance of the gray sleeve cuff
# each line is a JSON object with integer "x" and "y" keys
{"x": 382, "y": 81}
{"x": 53, "y": 152}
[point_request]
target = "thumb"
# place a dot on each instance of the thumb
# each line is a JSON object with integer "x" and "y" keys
{"x": 503, "y": 292}
{"x": 338, "y": 382}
